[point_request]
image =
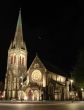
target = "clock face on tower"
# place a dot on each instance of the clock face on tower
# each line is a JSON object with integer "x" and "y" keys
{"x": 36, "y": 75}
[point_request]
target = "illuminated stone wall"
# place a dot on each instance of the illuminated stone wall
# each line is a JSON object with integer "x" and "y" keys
{"x": 16, "y": 63}
{"x": 39, "y": 83}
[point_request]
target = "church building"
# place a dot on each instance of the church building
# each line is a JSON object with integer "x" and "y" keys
{"x": 35, "y": 83}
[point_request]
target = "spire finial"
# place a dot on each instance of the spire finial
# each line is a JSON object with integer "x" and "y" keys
{"x": 36, "y": 54}
{"x": 20, "y": 10}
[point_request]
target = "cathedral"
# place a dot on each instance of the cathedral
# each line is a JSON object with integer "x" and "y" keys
{"x": 35, "y": 83}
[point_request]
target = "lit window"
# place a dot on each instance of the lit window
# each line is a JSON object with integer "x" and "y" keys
{"x": 14, "y": 59}
{"x": 20, "y": 59}
{"x": 11, "y": 59}
{"x": 23, "y": 61}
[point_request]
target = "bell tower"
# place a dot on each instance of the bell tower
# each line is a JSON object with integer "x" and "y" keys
{"x": 16, "y": 63}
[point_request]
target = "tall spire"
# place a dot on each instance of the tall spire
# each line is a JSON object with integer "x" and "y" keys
{"x": 18, "y": 40}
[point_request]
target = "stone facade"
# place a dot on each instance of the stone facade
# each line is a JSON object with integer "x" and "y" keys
{"x": 36, "y": 83}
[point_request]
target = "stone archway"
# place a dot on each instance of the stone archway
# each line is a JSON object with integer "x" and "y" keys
{"x": 36, "y": 95}
{"x": 22, "y": 95}
{"x": 33, "y": 94}
{"x": 30, "y": 95}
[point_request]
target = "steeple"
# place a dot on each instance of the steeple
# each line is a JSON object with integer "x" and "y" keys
{"x": 18, "y": 39}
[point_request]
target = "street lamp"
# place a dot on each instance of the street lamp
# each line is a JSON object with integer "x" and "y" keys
{"x": 81, "y": 89}
{"x": 82, "y": 92}
{"x": 71, "y": 83}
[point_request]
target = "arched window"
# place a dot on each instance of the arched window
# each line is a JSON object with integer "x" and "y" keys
{"x": 20, "y": 59}
{"x": 23, "y": 61}
{"x": 12, "y": 59}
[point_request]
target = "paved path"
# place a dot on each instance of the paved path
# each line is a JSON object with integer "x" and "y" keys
{"x": 58, "y": 105}
{"x": 43, "y": 102}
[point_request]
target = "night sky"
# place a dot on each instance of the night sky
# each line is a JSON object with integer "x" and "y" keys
{"x": 54, "y": 30}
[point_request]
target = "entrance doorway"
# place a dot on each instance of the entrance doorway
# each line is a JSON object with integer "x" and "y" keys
{"x": 33, "y": 94}
{"x": 36, "y": 95}
{"x": 30, "y": 95}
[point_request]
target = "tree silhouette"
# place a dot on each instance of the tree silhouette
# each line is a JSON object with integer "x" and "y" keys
{"x": 78, "y": 73}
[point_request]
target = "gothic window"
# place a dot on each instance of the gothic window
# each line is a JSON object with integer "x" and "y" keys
{"x": 12, "y": 59}
{"x": 17, "y": 85}
{"x": 9, "y": 86}
{"x": 23, "y": 61}
{"x": 13, "y": 94}
{"x": 9, "y": 93}
{"x": 20, "y": 59}
{"x": 14, "y": 80}
{"x": 14, "y": 85}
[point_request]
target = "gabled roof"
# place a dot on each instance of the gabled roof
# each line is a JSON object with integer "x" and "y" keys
{"x": 37, "y": 63}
